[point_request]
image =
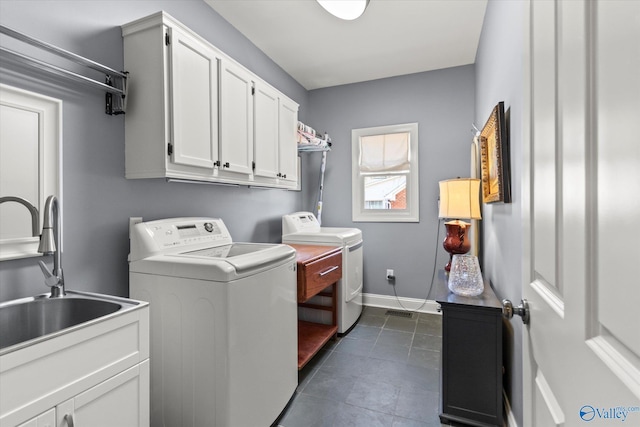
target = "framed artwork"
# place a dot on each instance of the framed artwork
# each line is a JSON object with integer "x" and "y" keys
{"x": 495, "y": 158}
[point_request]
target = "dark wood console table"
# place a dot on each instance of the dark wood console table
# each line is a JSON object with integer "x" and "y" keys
{"x": 471, "y": 375}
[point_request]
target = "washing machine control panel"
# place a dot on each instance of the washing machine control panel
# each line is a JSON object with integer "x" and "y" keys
{"x": 183, "y": 233}
{"x": 298, "y": 222}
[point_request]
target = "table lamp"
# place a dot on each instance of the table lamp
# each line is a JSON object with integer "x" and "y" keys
{"x": 459, "y": 199}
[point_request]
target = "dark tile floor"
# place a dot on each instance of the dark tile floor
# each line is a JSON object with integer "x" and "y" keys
{"x": 385, "y": 372}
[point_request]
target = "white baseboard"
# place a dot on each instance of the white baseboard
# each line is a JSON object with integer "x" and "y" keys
{"x": 510, "y": 420}
{"x": 401, "y": 303}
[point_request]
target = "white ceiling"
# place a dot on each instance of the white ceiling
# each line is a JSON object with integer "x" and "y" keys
{"x": 391, "y": 38}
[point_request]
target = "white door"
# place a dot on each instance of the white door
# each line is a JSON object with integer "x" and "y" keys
{"x": 122, "y": 400}
{"x": 288, "y": 152}
{"x": 266, "y": 131}
{"x": 236, "y": 118}
{"x": 581, "y": 191}
{"x": 194, "y": 101}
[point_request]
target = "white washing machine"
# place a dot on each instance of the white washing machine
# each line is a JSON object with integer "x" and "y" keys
{"x": 223, "y": 327}
{"x": 304, "y": 228}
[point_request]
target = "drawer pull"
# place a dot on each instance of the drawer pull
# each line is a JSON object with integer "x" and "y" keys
{"x": 334, "y": 268}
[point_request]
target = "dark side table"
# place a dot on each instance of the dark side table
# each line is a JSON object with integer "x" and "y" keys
{"x": 471, "y": 374}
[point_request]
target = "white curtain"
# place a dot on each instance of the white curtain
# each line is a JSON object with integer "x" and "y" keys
{"x": 384, "y": 153}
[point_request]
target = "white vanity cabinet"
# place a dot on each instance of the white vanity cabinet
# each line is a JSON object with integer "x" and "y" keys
{"x": 115, "y": 402}
{"x": 193, "y": 113}
{"x": 96, "y": 375}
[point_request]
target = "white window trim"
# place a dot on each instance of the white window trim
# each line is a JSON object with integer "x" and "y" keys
{"x": 359, "y": 214}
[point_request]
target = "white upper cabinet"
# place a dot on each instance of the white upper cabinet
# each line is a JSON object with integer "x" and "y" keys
{"x": 236, "y": 119}
{"x": 288, "y": 146}
{"x": 194, "y": 107}
{"x": 266, "y": 131}
{"x": 193, "y": 113}
{"x": 276, "y": 120}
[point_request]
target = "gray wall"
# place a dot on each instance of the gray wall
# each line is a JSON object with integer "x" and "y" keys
{"x": 499, "y": 77}
{"x": 442, "y": 103}
{"x": 97, "y": 199}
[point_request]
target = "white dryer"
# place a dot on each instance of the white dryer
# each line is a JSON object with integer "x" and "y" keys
{"x": 223, "y": 323}
{"x": 304, "y": 228}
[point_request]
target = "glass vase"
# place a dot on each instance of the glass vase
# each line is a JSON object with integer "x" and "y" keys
{"x": 465, "y": 277}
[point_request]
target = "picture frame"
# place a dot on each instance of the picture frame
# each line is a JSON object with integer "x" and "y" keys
{"x": 495, "y": 158}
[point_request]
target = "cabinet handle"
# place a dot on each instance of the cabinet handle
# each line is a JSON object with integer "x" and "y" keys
{"x": 68, "y": 418}
{"x": 284, "y": 176}
{"x": 324, "y": 273}
{"x": 226, "y": 165}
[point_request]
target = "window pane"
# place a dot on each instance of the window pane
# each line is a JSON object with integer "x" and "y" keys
{"x": 385, "y": 192}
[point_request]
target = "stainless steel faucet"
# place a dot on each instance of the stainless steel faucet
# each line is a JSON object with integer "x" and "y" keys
{"x": 35, "y": 218}
{"x": 50, "y": 244}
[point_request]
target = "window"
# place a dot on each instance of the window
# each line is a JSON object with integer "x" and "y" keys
{"x": 385, "y": 173}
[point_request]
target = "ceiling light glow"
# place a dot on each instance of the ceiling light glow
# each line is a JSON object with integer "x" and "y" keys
{"x": 345, "y": 9}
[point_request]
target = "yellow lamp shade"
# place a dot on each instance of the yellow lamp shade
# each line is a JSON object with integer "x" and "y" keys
{"x": 460, "y": 199}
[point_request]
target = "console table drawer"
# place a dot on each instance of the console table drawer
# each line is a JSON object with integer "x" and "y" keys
{"x": 317, "y": 274}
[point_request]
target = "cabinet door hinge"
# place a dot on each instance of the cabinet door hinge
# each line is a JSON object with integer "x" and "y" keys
{"x": 167, "y": 39}
{"x": 253, "y": 90}
{"x": 169, "y": 149}
{"x": 253, "y": 165}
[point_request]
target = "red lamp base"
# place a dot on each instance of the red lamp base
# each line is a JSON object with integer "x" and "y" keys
{"x": 456, "y": 241}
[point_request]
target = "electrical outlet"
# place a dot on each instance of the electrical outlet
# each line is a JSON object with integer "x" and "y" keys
{"x": 390, "y": 276}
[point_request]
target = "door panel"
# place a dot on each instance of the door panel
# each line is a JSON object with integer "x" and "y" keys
{"x": 236, "y": 119}
{"x": 618, "y": 153}
{"x": 288, "y": 145}
{"x": 547, "y": 409}
{"x": 582, "y": 347}
{"x": 545, "y": 146}
{"x": 266, "y": 131}
{"x": 194, "y": 92}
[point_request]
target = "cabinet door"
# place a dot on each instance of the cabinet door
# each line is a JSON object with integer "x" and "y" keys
{"x": 194, "y": 101}
{"x": 122, "y": 400}
{"x": 236, "y": 119}
{"x": 266, "y": 102}
{"x": 288, "y": 147}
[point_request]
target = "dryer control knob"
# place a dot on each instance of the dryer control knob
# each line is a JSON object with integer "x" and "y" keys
{"x": 208, "y": 226}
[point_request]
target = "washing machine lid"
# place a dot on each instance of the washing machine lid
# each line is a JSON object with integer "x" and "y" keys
{"x": 326, "y": 235}
{"x": 303, "y": 227}
{"x": 217, "y": 264}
